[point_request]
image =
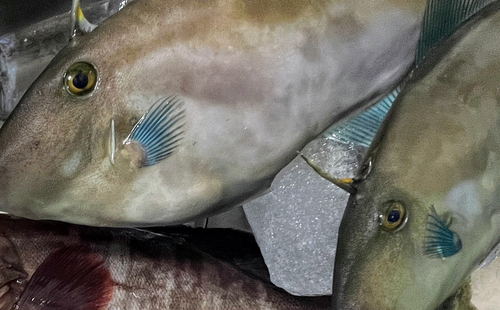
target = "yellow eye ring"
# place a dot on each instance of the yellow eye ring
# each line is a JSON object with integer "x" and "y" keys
{"x": 395, "y": 216}
{"x": 80, "y": 79}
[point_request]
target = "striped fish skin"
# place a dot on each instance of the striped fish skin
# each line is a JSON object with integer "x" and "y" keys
{"x": 148, "y": 270}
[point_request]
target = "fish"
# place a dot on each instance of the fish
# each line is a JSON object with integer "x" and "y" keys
{"x": 424, "y": 213}
{"x": 55, "y": 265}
{"x": 171, "y": 111}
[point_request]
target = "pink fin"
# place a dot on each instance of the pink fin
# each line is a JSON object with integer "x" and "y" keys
{"x": 72, "y": 278}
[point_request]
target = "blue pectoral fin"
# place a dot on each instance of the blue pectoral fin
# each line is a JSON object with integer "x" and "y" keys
{"x": 441, "y": 19}
{"x": 440, "y": 242}
{"x": 361, "y": 129}
{"x": 159, "y": 131}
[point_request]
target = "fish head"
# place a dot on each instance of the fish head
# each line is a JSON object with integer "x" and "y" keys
{"x": 55, "y": 146}
{"x": 89, "y": 140}
{"x": 383, "y": 257}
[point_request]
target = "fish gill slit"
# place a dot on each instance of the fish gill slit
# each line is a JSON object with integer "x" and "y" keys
{"x": 112, "y": 142}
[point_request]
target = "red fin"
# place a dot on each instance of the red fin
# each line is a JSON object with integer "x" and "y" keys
{"x": 72, "y": 278}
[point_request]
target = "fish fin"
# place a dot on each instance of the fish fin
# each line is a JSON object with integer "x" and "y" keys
{"x": 80, "y": 24}
{"x": 345, "y": 184}
{"x": 72, "y": 277}
{"x": 440, "y": 242}
{"x": 441, "y": 19}
{"x": 159, "y": 130}
{"x": 362, "y": 128}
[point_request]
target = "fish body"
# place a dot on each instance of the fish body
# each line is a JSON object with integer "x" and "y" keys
{"x": 425, "y": 212}
{"x": 255, "y": 80}
{"x": 137, "y": 269}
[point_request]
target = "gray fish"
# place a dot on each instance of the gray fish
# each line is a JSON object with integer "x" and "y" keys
{"x": 53, "y": 265}
{"x": 424, "y": 210}
{"x": 172, "y": 110}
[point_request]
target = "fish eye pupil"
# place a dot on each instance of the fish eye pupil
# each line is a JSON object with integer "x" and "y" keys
{"x": 393, "y": 216}
{"x": 81, "y": 80}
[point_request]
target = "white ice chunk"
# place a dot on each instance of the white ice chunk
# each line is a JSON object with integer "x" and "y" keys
{"x": 296, "y": 224}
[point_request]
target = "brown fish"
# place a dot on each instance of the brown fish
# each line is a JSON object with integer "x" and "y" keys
{"x": 52, "y": 265}
{"x": 172, "y": 110}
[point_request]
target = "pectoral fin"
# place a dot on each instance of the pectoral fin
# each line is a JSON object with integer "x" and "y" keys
{"x": 441, "y": 241}
{"x": 73, "y": 277}
{"x": 157, "y": 134}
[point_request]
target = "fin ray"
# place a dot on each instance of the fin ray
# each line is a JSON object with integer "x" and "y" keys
{"x": 72, "y": 277}
{"x": 362, "y": 128}
{"x": 441, "y": 19}
{"x": 159, "y": 131}
{"x": 440, "y": 242}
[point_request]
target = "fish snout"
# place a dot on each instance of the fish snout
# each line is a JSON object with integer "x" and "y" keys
{"x": 349, "y": 295}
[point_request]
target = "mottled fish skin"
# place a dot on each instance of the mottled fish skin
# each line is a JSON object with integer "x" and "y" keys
{"x": 439, "y": 147}
{"x": 259, "y": 79}
{"x": 150, "y": 271}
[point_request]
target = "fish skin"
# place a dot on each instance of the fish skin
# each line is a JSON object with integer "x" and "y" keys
{"x": 151, "y": 270}
{"x": 439, "y": 146}
{"x": 259, "y": 80}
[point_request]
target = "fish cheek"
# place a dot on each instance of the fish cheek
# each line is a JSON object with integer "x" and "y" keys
{"x": 12, "y": 275}
{"x": 386, "y": 273}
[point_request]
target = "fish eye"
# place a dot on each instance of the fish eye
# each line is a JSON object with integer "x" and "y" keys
{"x": 394, "y": 216}
{"x": 80, "y": 79}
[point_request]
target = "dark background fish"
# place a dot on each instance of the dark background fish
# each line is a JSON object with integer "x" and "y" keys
{"x": 170, "y": 268}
